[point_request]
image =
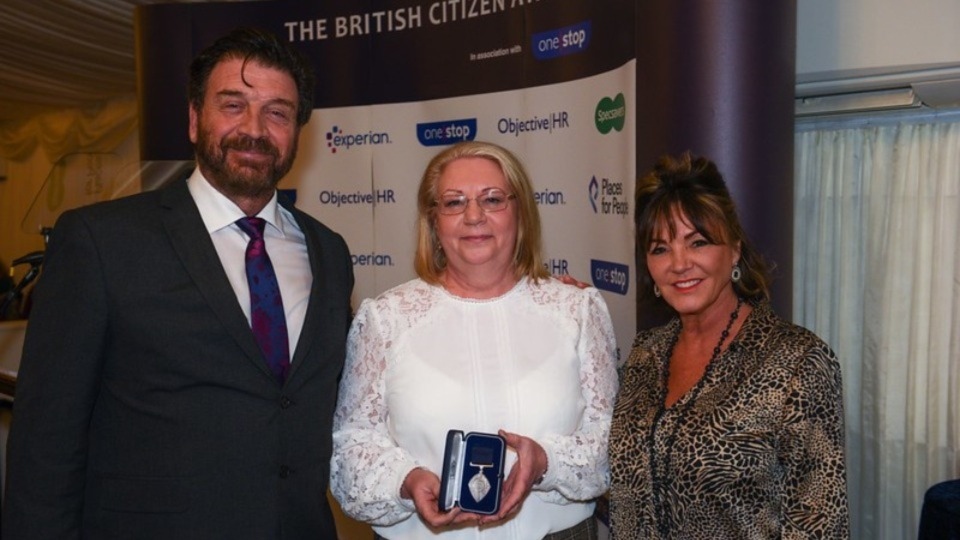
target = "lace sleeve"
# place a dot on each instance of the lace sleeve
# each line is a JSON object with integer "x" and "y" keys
{"x": 367, "y": 467}
{"x": 578, "y": 468}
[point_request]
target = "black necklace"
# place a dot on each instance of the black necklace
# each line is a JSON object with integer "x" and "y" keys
{"x": 660, "y": 487}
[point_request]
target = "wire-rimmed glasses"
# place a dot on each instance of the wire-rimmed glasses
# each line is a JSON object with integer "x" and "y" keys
{"x": 452, "y": 203}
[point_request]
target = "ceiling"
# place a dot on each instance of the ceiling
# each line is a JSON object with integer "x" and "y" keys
{"x": 57, "y": 54}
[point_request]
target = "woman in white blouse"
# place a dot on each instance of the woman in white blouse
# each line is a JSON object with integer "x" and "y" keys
{"x": 485, "y": 340}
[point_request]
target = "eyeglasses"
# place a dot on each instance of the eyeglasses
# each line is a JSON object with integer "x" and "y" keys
{"x": 452, "y": 203}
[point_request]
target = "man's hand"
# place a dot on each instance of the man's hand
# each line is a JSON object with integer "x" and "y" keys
{"x": 570, "y": 280}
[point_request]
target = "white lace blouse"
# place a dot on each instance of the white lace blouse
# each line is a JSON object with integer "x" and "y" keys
{"x": 538, "y": 361}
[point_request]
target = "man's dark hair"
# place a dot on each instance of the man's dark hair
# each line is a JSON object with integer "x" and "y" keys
{"x": 251, "y": 44}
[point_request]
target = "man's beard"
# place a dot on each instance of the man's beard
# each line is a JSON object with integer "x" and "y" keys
{"x": 248, "y": 179}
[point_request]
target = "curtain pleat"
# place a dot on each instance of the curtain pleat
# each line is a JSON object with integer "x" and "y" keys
{"x": 71, "y": 130}
{"x": 877, "y": 275}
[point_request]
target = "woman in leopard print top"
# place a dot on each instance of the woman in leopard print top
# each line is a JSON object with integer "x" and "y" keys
{"x": 729, "y": 421}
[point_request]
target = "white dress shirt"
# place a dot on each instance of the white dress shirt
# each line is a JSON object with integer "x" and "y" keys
{"x": 285, "y": 245}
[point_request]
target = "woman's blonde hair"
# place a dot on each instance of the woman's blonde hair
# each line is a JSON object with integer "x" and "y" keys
{"x": 430, "y": 260}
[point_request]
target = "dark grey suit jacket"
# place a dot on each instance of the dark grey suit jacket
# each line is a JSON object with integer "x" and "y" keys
{"x": 144, "y": 407}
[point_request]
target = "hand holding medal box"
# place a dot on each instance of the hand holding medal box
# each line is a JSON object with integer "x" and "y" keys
{"x": 472, "y": 472}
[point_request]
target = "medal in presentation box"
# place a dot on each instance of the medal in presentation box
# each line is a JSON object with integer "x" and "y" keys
{"x": 472, "y": 472}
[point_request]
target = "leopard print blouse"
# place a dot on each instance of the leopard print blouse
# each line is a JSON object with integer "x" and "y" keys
{"x": 757, "y": 453}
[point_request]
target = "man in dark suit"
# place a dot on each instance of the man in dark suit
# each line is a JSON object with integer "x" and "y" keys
{"x": 146, "y": 407}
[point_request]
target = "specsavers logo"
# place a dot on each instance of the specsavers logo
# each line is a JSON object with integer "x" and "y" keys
{"x": 610, "y": 114}
{"x": 338, "y": 139}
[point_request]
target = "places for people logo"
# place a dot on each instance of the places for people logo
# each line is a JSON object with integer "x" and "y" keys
{"x": 607, "y": 197}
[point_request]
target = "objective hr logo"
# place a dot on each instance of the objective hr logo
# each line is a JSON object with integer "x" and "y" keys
{"x": 515, "y": 126}
{"x": 375, "y": 197}
{"x": 607, "y": 197}
{"x": 561, "y": 42}
{"x": 610, "y": 114}
{"x": 337, "y": 139}
{"x": 557, "y": 267}
{"x": 447, "y": 132}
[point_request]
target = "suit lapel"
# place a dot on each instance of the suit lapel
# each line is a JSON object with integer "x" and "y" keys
{"x": 193, "y": 246}
{"x": 313, "y": 320}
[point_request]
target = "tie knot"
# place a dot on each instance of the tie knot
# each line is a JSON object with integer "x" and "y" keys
{"x": 253, "y": 226}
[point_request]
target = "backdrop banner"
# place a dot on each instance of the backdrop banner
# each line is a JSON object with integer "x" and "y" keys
{"x": 552, "y": 80}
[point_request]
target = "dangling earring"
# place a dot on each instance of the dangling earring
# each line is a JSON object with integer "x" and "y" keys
{"x": 736, "y": 274}
{"x": 656, "y": 290}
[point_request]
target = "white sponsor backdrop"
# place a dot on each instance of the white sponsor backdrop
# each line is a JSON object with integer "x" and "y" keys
{"x": 366, "y": 190}
{"x": 359, "y": 166}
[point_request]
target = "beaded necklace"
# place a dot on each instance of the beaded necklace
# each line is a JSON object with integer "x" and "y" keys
{"x": 660, "y": 487}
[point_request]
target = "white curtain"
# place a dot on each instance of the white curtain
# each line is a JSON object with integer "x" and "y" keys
{"x": 877, "y": 276}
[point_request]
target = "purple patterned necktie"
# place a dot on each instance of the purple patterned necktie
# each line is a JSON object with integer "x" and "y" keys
{"x": 266, "y": 306}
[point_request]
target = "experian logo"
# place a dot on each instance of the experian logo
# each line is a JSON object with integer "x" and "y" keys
{"x": 610, "y": 276}
{"x": 561, "y": 42}
{"x": 337, "y": 139}
{"x": 447, "y": 132}
{"x": 610, "y": 114}
{"x": 372, "y": 259}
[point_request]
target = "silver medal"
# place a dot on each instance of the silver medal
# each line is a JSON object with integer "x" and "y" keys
{"x": 479, "y": 485}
